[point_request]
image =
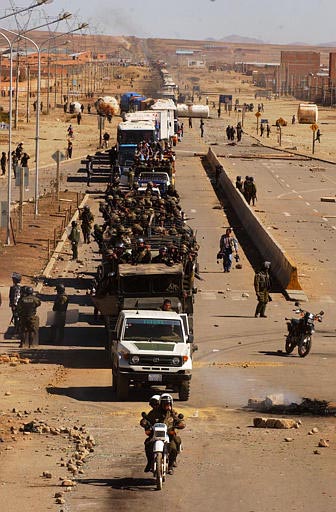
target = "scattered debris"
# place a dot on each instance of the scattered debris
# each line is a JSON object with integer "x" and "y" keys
{"x": 307, "y": 405}
{"x": 275, "y": 423}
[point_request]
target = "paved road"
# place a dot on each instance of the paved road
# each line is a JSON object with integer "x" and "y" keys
{"x": 289, "y": 204}
{"x": 226, "y": 463}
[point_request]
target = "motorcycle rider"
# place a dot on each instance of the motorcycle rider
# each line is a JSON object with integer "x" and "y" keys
{"x": 164, "y": 413}
{"x": 28, "y": 320}
{"x": 262, "y": 286}
{"x": 14, "y": 296}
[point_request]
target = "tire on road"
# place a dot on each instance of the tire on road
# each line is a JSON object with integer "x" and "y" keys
{"x": 304, "y": 345}
{"x": 184, "y": 391}
{"x": 290, "y": 345}
{"x": 122, "y": 386}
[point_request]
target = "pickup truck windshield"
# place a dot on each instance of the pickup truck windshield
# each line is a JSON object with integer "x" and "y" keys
{"x": 150, "y": 329}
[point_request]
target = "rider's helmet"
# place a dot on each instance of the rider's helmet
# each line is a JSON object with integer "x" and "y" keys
{"x": 16, "y": 277}
{"x": 154, "y": 401}
{"x": 166, "y": 399}
{"x": 266, "y": 265}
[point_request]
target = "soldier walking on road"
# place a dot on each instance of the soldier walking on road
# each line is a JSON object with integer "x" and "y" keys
{"x": 60, "y": 307}
{"x": 262, "y": 286}
{"x": 74, "y": 238}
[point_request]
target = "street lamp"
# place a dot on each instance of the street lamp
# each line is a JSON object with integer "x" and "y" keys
{"x": 9, "y": 179}
{"x": 38, "y": 3}
{"x": 37, "y": 131}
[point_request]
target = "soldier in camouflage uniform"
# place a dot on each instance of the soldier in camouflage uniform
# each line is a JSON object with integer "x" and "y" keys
{"x": 28, "y": 319}
{"x": 262, "y": 286}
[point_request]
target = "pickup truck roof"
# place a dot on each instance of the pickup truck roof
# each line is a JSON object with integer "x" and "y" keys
{"x": 125, "y": 269}
{"x": 169, "y": 315}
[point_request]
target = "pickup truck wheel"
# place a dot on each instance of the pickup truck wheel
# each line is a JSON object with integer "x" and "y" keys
{"x": 122, "y": 387}
{"x": 184, "y": 391}
{"x": 114, "y": 382}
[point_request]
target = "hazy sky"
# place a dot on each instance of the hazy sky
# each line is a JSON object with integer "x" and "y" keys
{"x": 282, "y": 21}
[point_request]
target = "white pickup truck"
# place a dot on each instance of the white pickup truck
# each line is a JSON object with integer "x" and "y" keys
{"x": 151, "y": 348}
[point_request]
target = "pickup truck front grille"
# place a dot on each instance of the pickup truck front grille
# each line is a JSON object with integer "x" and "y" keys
{"x": 157, "y": 361}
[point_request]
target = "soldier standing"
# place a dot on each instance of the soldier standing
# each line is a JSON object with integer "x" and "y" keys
{"x": 74, "y": 238}
{"x": 87, "y": 219}
{"x": 29, "y": 321}
{"x": 60, "y": 307}
{"x": 262, "y": 286}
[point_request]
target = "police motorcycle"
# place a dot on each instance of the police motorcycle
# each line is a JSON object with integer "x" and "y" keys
{"x": 300, "y": 331}
{"x": 160, "y": 447}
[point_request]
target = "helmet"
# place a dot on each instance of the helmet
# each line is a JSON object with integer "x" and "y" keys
{"x": 86, "y": 207}
{"x": 166, "y": 399}
{"x": 141, "y": 241}
{"x": 16, "y": 277}
{"x": 266, "y": 264}
{"x": 60, "y": 288}
{"x": 29, "y": 290}
{"x": 73, "y": 223}
{"x": 163, "y": 249}
{"x": 154, "y": 400}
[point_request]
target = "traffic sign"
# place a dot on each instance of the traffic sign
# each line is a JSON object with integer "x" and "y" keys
{"x": 58, "y": 156}
{"x": 257, "y": 114}
{"x": 314, "y": 127}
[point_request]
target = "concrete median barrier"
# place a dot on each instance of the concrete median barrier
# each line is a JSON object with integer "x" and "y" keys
{"x": 283, "y": 268}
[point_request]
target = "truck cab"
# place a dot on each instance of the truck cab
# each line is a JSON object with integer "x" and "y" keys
{"x": 151, "y": 348}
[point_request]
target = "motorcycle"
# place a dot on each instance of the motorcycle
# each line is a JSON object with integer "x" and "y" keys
{"x": 300, "y": 331}
{"x": 160, "y": 448}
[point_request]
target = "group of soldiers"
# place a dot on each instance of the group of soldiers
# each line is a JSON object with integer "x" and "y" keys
{"x": 231, "y": 132}
{"x": 24, "y": 303}
{"x": 142, "y": 228}
{"x": 247, "y": 188}
{"x": 153, "y": 152}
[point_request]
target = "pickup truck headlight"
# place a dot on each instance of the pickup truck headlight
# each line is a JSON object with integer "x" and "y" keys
{"x": 134, "y": 359}
{"x": 176, "y": 361}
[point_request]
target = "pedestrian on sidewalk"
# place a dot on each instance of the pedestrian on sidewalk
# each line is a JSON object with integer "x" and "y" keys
{"x": 79, "y": 118}
{"x": 3, "y": 163}
{"x": 60, "y": 308}
{"x": 69, "y": 149}
{"x": 24, "y": 160}
{"x": 74, "y": 238}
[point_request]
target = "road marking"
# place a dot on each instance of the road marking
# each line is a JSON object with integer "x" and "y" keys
{"x": 294, "y": 191}
{"x": 325, "y": 220}
{"x": 314, "y": 210}
{"x": 209, "y": 296}
{"x": 286, "y": 214}
{"x": 193, "y": 211}
{"x": 300, "y": 197}
{"x": 287, "y": 185}
{"x": 308, "y": 204}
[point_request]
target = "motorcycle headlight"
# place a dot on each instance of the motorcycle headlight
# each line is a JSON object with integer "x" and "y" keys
{"x": 176, "y": 361}
{"x": 134, "y": 359}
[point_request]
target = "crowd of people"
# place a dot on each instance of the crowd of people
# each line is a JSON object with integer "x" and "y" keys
{"x": 247, "y": 188}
